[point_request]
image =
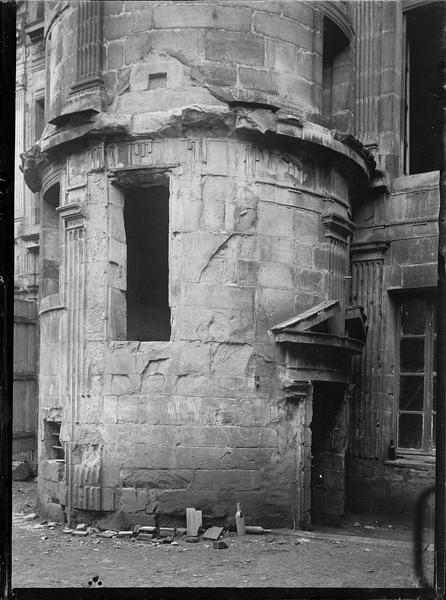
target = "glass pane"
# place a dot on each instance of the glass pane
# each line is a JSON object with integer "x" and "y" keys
{"x": 411, "y": 392}
{"x": 412, "y": 355}
{"x": 413, "y": 316}
{"x": 410, "y": 430}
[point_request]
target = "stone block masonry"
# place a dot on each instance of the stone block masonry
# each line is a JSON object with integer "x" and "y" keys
{"x": 170, "y": 389}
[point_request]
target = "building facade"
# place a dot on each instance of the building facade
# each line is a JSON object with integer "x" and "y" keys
{"x": 235, "y": 225}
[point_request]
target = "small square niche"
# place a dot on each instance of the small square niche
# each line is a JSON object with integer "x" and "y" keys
{"x": 157, "y": 80}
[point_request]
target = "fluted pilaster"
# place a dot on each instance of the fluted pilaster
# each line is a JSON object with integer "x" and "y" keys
{"x": 89, "y": 44}
{"x": 367, "y": 17}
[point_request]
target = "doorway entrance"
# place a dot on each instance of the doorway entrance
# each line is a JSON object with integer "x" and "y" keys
{"x": 329, "y": 441}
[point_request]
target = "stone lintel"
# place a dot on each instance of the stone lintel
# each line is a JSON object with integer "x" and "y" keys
{"x": 335, "y": 342}
{"x": 311, "y": 317}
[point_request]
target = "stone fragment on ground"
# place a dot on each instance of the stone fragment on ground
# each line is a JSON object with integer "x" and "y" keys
{"x": 213, "y": 533}
{"x": 167, "y": 540}
{"x": 80, "y": 532}
{"x": 192, "y": 539}
{"x": 107, "y": 534}
{"x": 194, "y": 521}
{"x": 219, "y": 545}
{"x": 147, "y": 529}
{"x": 145, "y": 537}
{"x": 166, "y": 531}
{"x": 30, "y": 517}
{"x": 125, "y": 534}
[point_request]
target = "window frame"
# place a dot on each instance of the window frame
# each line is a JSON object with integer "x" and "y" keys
{"x": 429, "y": 375}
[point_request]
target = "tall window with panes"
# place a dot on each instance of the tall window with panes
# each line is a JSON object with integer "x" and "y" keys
{"x": 415, "y": 375}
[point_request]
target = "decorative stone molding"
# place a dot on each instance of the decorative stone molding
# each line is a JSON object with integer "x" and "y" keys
{"x": 297, "y": 391}
{"x": 337, "y": 228}
{"x": 365, "y": 251}
{"x": 73, "y": 215}
{"x": 35, "y": 30}
{"x": 337, "y": 12}
{"x": 29, "y": 168}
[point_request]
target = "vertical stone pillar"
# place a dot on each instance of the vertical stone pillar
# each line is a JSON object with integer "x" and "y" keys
{"x": 296, "y": 443}
{"x": 338, "y": 231}
{"x": 367, "y": 291}
{"x": 19, "y": 182}
{"x": 89, "y": 44}
{"x": 367, "y": 25}
{"x": 74, "y": 295}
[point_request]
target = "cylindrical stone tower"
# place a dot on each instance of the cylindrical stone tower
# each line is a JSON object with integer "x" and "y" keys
{"x": 196, "y": 176}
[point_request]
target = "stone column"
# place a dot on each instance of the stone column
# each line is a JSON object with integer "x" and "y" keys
{"x": 338, "y": 231}
{"x": 367, "y": 291}
{"x": 89, "y": 45}
{"x": 367, "y": 26}
{"x": 19, "y": 148}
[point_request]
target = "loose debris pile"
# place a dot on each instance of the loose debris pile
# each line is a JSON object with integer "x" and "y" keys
{"x": 151, "y": 534}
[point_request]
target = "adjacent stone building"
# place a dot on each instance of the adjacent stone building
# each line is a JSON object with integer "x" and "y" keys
{"x": 230, "y": 194}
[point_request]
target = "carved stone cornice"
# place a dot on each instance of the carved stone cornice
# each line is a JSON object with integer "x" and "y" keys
{"x": 38, "y": 171}
{"x": 30, "y": 169}
{"x": 361, "y": 251}
{"x": 337, "y": 227}
{"x": 35, "y": 30}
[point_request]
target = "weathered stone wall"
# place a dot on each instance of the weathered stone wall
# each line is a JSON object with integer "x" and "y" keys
{"x": 267, "y": 52}
{"x": 395, "y": 246}
{"x": 203, "y": 419}
{"x": 200, "y": 419}
{"x": 388, "y": 488}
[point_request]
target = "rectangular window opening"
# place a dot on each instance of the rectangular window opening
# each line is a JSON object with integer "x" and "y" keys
{"x": 416, "y": 375}
{"x": 50, "y": 243}
{"x": 54, "y": 449}
{"x": 157, "y": 80}
{"x": 146, "y": 221}
{"x": 335, "y": 71}
{"x": 39, "y": 116}
{"x": 422, "y": 100}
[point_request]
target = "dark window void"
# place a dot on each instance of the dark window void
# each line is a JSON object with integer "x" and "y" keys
{"x": 53, "y": 446}
{"x": 422, "y": 104}
{"x": 146, "y": 218}
{"x": 336, "y": 75}
{"x": 50, "y": 242}
{"x": 39, "y": 116}
{"x": 329, "y": 435}
{"x": 40, "y": 9}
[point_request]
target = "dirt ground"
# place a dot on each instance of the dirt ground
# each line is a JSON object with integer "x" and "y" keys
{"x": 46, "y": 557}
